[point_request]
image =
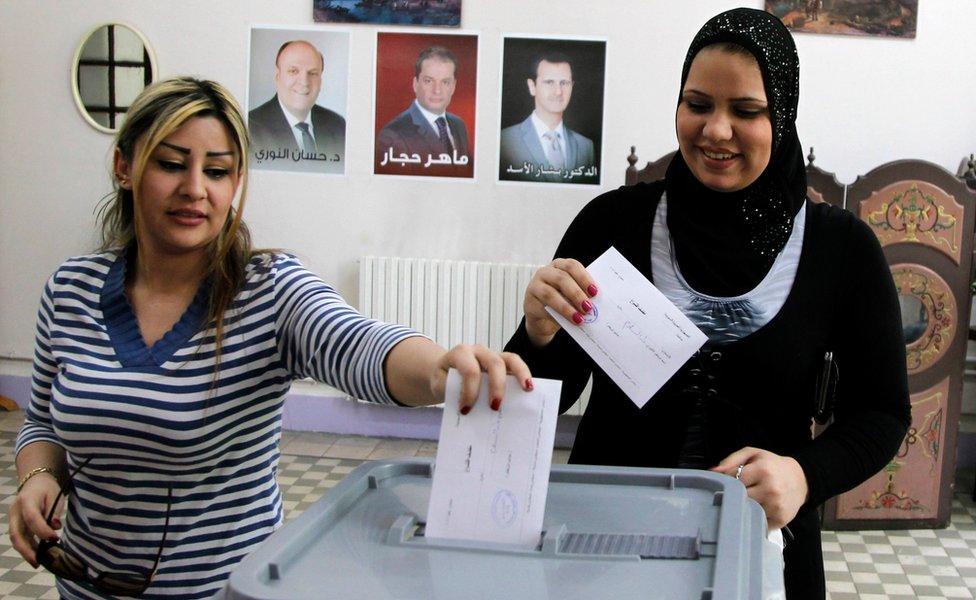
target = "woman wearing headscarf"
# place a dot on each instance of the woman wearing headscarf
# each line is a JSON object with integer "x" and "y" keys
{"x": 775, "y": 281}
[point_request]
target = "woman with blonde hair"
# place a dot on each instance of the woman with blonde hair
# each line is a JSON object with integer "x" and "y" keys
{"x": 162, "y": 362}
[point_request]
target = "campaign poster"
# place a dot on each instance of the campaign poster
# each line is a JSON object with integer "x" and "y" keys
{"x": 426, "y": 91}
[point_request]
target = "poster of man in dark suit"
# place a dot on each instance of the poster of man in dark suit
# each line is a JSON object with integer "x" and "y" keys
{"x": 290, "y": 130}
{"x": 552, "y": 110}
{"x": 423, "y": 129}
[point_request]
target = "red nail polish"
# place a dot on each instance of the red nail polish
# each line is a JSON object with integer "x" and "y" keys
{"x": 528, "y": 385}
{"x": 587, "y": 306}
{"x": 577, "y": 318}
{"x": 465, "y": 410}
{"x": 496, "y": 403}
{"x": 591, "y": 289}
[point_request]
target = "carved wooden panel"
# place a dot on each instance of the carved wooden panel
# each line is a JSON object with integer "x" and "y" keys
{"x": 822, "y": 186}
{"x": 909, "y": 486}
{"x": 930, "y": 320}
{"x": 923, "y": 218}
{"x": 652, "y": 171}
{"x": 916, "y": 212}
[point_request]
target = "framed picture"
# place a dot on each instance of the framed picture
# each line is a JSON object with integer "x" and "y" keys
{"x": 551, "y": 110}
{"x": 445, "y": 13}
{"x": 426, "y": 91}
{"x": 297, "y": 97}
{"x": 894, "y": 18}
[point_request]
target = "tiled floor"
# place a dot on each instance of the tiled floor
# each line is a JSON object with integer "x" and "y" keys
{"x": 895, "y": 565}
{"x": 905, "y": 565}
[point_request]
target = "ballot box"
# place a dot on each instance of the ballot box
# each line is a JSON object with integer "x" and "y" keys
{"x": 609, "y": 532}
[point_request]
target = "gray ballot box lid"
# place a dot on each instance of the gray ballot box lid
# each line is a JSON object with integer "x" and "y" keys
{"x": 609, "y": 532}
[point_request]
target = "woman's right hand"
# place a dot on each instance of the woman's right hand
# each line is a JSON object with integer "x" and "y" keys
{"x": 27, "y": 513}
{"x": 563, "y": 285}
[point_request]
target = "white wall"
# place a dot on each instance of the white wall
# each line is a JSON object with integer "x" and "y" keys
{"x": 864, "y": 101}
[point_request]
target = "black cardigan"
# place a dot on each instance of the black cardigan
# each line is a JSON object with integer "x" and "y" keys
{"x": 761, "y": 390}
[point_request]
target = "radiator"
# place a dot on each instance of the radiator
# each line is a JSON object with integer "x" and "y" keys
{"x": 450, "y": 301}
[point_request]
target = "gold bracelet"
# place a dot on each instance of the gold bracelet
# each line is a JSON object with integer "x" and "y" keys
{"x": 33, "y": 472}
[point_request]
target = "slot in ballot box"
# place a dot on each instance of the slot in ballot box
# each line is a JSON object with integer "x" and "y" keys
{"x": 609, "y": 532}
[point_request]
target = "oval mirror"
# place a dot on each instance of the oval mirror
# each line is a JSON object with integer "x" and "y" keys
{"x": 914, "y": 317}
{"x": 112, "y": 65}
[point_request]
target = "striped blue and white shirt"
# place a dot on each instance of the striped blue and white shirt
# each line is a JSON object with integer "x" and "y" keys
{"x": 157, "y": 418}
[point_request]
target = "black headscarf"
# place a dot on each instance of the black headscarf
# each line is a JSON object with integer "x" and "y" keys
{"x": 725, "y": 242}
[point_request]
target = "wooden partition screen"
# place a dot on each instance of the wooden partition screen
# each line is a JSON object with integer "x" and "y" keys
{"x": 923, "y": 216}
{"x": 823, "y": 186}
{"x": 651, "y": 172}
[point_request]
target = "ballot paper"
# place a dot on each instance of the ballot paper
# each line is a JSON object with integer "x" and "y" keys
{"x": 491, "y": 474}
{"x": 634, "y": 333}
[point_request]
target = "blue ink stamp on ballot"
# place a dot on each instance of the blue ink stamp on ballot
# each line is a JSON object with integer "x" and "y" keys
{"x": 504, "y": 508}
{"x": 591, "y": 316}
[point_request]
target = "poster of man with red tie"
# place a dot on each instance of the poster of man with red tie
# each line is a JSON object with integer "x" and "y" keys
{"x": 426, "y": 89}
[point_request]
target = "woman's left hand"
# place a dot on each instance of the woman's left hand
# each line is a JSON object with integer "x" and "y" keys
{"x": 776, "y": 482}
{"x": 471, "y": 361}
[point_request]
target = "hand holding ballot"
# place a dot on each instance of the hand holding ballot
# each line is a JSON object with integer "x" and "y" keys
{"x": 491, "y": 474}
{"x": 563, "y": 286}
{"x": 480, "y": 370}
{"x": 631, "y": 330}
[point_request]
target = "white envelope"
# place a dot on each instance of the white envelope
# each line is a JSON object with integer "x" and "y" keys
{"x": 634, "y": 333}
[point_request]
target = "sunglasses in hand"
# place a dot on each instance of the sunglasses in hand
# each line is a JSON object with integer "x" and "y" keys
{"x": 64, "y": 563}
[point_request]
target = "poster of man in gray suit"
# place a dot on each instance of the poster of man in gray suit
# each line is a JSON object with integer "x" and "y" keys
{"x": 545, "y": 146}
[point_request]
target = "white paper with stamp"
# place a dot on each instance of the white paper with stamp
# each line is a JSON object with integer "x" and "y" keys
{"x": 634, "y": 333}
{"x": 491, "y": 474}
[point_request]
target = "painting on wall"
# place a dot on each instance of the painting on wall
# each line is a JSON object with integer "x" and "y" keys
{"x": 551, "y": 110}
{"x": 891, "y": 18}
{"x": 445, "y": 13}
{"x": 426, "y": 90}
